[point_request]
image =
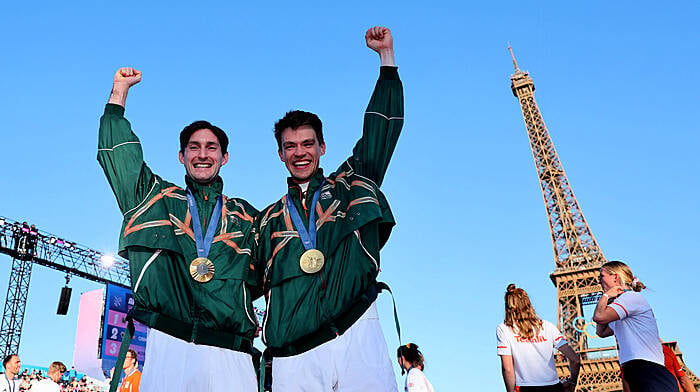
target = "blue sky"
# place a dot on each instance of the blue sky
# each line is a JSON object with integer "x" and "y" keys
{"x": 616, "y": 83}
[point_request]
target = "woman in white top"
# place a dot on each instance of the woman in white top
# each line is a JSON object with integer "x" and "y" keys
{"x": 622, "y": 311}
{"x": 526, "y": 346}
{"x": 411, "y": 362}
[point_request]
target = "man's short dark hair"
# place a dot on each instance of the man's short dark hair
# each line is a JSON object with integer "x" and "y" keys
{"x": 187, "y": 132}
{"x": 295, "y": 119}
{"x": 7, "y": 359}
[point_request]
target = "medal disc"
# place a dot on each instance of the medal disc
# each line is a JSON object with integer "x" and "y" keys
{"x": 311, "y": 261}
{"x": 202, "y": 269}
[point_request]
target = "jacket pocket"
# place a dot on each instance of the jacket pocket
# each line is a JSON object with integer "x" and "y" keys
{"x": 285, "y": 267}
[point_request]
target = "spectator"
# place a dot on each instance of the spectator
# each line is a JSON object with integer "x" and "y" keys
{"x": 525, "y": 345}
{"x": 66, "y": 383}
{"x": 51, "y": 384}
{"x": 671, "y": 363}
{"x": 10, "y": 382}
{"x": 622, "y": 311}
{"x": 133, "y": 376}
{"x": 411, "y": 361}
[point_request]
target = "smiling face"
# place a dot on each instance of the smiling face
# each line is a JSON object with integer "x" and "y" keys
{"x": 301, "y": 152}
{"x": 202, "y": 156}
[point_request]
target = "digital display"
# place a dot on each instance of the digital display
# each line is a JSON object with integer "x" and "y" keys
{"x": 118, "y": 302}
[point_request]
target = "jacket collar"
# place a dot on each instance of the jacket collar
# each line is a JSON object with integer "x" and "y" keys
{"x": 205, "y": 192}
{"x": 314, "y": 181}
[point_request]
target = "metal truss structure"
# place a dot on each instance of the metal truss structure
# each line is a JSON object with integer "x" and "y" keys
{"x": 577, "y": 257}
{"x": 27, "y": 246}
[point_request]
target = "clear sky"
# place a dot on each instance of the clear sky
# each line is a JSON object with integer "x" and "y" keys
{"x": 616, "y": 82}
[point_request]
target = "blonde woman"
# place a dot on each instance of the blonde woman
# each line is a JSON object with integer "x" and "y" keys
{"x": 526, "y": 346}
{"x": 622, "y": 311}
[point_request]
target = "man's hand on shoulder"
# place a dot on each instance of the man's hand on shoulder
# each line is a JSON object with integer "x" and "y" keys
{"x": 124, "y": 78}
{"x": 379, "y": 39}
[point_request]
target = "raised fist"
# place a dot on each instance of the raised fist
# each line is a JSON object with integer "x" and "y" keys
{"x": 127, "y": 77}
{"x": 379, "y": 39}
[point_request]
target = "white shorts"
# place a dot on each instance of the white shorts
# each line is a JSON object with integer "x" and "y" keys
{"x": 176, "y": 365}
{"x": 356, "y": 361}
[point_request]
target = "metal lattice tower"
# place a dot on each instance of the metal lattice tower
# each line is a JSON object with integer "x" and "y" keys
{"x": 577, "y": 257}
{"x": 13, "y": 314}
{"x": 27, "y": 246}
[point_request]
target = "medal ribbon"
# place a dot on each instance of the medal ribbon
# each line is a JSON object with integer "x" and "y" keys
{"x": 308, "y": 238}
{"x": 203, "y": 244}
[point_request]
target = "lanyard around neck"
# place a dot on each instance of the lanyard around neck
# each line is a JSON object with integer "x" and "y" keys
{"x": 405, "y": 384}
{"x": 203, "y": 243}
{"x": 308, "y": 237}
{"x": 10, "y": 383}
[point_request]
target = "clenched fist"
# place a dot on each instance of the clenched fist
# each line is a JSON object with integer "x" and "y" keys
{"x": 379, "y": 39}
{"x": 123, "y": 79}
{"x": 127, "y": 77}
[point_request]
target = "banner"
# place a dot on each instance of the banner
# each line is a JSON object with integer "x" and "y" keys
{"x": 87, "y": 334}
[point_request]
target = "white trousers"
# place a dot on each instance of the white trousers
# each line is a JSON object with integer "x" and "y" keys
{"x": 356, "y": 361}
{"x": 176, "y": 365}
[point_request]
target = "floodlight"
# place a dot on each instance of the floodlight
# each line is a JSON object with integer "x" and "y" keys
{"x": 107, "y": 260}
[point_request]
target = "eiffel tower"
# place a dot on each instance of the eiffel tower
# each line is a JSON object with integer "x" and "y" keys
{"x": 577, "y": 256}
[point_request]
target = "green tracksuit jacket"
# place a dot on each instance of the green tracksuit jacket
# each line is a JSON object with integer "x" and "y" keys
{"x": 353, "y": 223}
{"x": 157, "y": 239}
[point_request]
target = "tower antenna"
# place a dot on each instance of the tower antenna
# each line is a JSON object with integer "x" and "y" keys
{"x": 515, "y": 62}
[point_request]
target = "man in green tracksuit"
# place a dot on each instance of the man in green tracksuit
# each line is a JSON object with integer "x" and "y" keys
{"x": 189, "y": 252}
{"x": 319, "y": 248}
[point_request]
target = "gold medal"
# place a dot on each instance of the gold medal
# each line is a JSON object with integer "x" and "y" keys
{"x": 202, "y": 269}
{"x": 311, "y": 261}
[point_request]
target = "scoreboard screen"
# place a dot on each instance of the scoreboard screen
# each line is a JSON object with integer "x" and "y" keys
{"x": 118, "y": 302}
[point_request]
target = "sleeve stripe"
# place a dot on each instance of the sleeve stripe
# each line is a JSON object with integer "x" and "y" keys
{"x": 557, "y": 339}
{"x": 502, "y": 347}
{"x": 385, "y": 116}
{"x": 145, "y": 267}
{"x": 623, "y": 308}
{"x": 144, "y": 199}
{"x": 118, "y": 145}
